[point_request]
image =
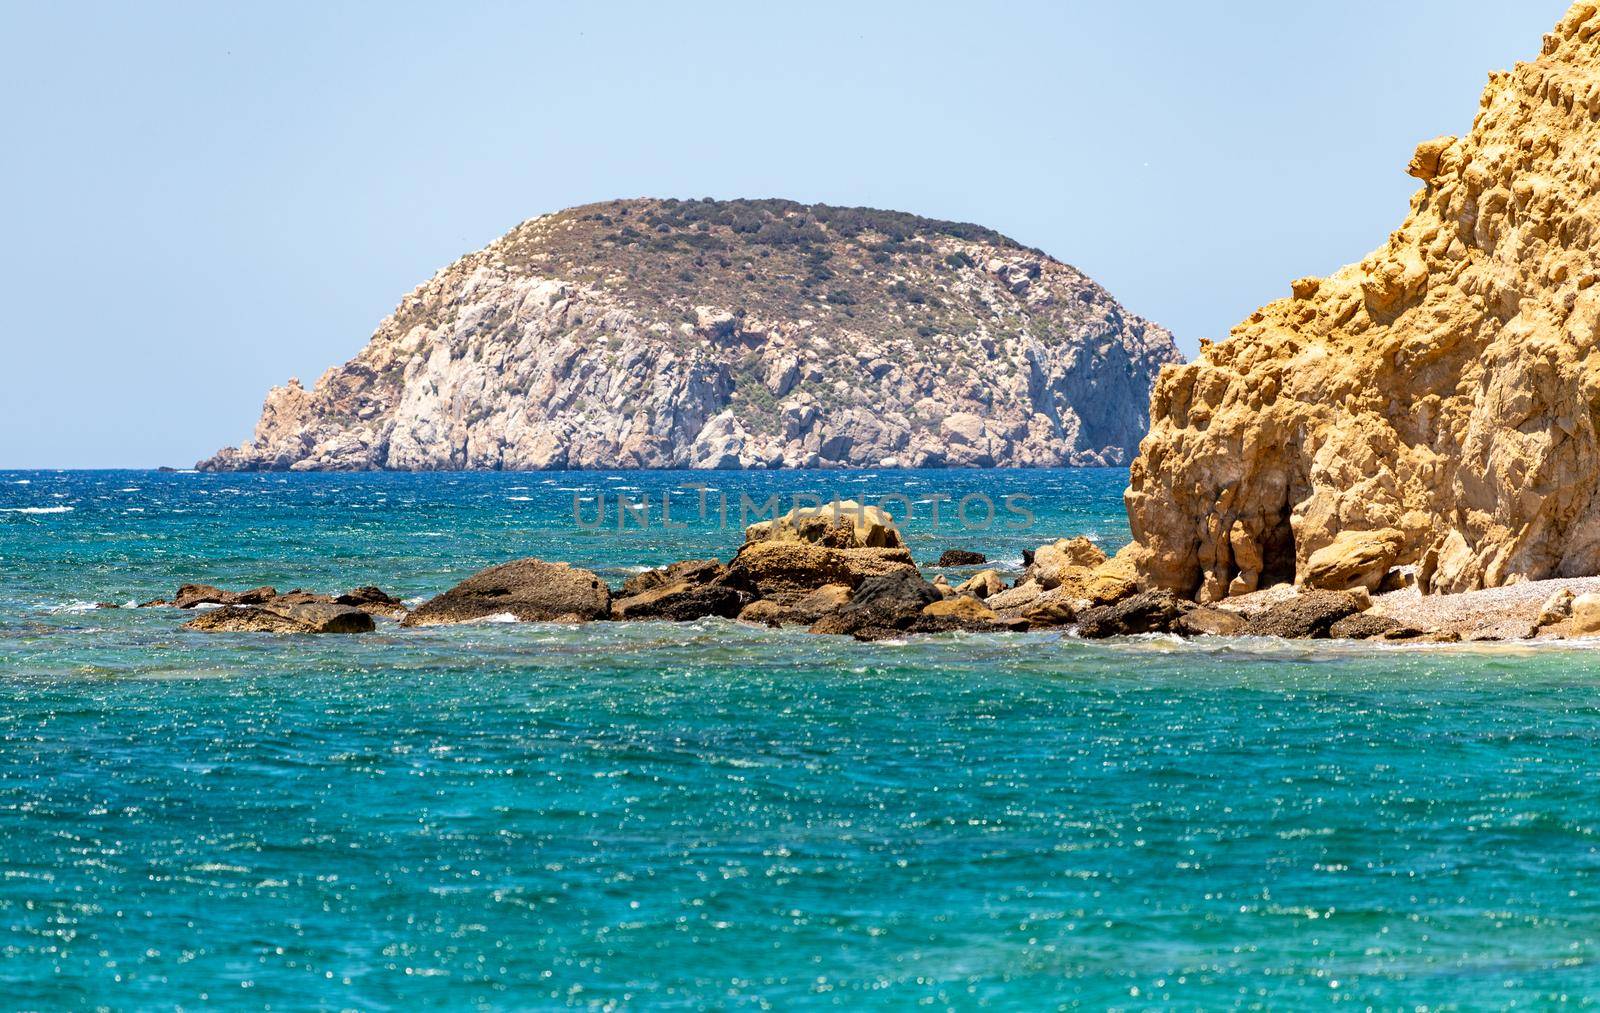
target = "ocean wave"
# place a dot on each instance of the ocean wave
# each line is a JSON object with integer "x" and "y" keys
{"x": 519, "y": 499}
{"x": 37, "y": 510}
{"x": 23, "y": 481}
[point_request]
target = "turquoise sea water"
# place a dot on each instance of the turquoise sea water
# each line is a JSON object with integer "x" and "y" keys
{"x": 710, "y": 815}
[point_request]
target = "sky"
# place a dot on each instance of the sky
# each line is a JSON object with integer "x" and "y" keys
{"x": 203, "y": 200}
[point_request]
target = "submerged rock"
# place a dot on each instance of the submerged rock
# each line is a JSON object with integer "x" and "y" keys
{"x": 529, "y": 590}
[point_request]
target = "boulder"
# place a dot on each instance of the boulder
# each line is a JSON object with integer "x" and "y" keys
{"x": 1353, "y": 559}
{"x": 192, "y": 595}
{"x": 1306, "y": 616}
{"x": 969, "y": 610}
{"x": 695, "y": 571}
{"x": 962, "y": 557}
{"x": 1145, "y": 612}
{"x": 1557, "y": 608}
{"x": 983, "y": 584}
{"x": 892, "y": 600}
{"x": 276, "y": 617}
{"x": 1016, "y": 598}
{"x": 1201, "y": 621}
{"x": 682, "y": 601}
{"x": 1055, "y": 607}
{"x": 841, "y": 524}
{"x": 531, "y": 590}
{"x": 373, "y": 600}
{"x": 1585, "y": 615}
{"x": 1369, "y": 626}
{"x": 796, "y": 608}
{"x": 772, "y": 567}
{"x": 1066, "y": 560}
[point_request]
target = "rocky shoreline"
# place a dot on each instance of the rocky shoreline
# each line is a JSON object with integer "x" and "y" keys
{"x": 845, "y": 570}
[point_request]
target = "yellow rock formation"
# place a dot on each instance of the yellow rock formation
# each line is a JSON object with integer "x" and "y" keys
{"x": 1445, "y": 391}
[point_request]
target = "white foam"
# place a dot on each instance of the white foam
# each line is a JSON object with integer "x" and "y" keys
{"x": 500, "y": 617}
{"x": 23, "y": 481}
{"x": 520, "y": 499}
{"x": 37, "y": 510}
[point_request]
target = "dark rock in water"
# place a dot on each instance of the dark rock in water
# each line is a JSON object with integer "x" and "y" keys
{"x": 1027, "y": 559}
{"x": 893, "y": 600}
{"x": 695, "y": 571}
{"x": 1201, "y": 621}
{"x": 682, "y": 601}
{"x": 772, "y": 567}
{"x": 1367, "y": 626}
{"x": 1307, "y": 616}
{"x": 529, "y": 589}
{"x": 167, "y": 469}
{"x": 154, "y": 603}
{"x": 276, "y": 617}
{"x": 1146, "y": 612}
{"x": 191, "y": 595}
{"x": 106, "y": 605}
{"x": 962, "y": 557}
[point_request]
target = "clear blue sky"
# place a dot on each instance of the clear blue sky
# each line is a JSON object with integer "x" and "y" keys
{"x": 203, "y": 200}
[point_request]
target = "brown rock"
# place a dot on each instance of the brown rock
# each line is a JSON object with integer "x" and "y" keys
{"x": 276, "y": 617}
{"x": 1146, "y": 612}
{"x": 796, "y": 608}
{"x": 841, "y": 524}
{"x": 192, "y": 595}
{"x": 969, "y": 610}
{"x": 983, "y": 584}
{"x": 1585, "y": 615}
{"x": 373, "y": 600}
{"x": 1208, "y": 622}
{"x": 681, "y": 601}
{"x": 1353, "y": 559}
{"x": 1367, "y": 626}
{"x": 1066, "y": 560}
{"x": 695, "y": 571}
{"x": 1443, "y": 387}
{"x": 529, "y": 589}
{"x": 1056, "y": 607}
{"x": 774, "y": 567}
{"x": 892, "y": 600}
{"x": 1306, "y": 616}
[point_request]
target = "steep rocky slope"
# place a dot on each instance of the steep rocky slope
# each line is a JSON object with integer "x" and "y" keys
{"x": 1436, "y": 403}
{"x": 664, "y": 333}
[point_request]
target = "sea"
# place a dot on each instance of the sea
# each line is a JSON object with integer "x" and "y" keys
{"x": 717, "y": 816}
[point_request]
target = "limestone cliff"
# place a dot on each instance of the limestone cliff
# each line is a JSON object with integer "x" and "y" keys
{"x": 664, "y": 333}
{"x": 1437, "y": 403}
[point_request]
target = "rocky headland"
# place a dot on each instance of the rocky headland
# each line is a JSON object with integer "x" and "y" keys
{"x": 1430, "y": 415}
{"x": 731, "y": 334}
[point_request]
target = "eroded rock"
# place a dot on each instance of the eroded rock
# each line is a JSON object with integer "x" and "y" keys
{"x": 528, "y": 590}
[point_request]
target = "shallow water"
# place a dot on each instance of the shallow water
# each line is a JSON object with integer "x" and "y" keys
{"x": 714, "y": 815}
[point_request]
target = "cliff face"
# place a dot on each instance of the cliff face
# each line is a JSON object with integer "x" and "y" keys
{"x": 733, "y": 334}
{"x": 1437, "y": 403}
